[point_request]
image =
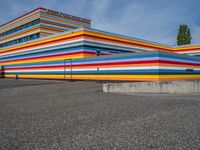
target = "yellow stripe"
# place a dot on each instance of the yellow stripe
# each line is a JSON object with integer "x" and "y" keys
{"x": 111, "y": 77}
{"x": 125, "y": 39}
{"x": 43, "y": 59}
{"x": 37, "y": 76}
{"x": 96, "y": 35}
{"x": 86, "y": 77}
{"x": 76, "y": 33}
{"x": 17, "y": 21}
{"x": 51, "y": 28}
{"x": 179, "y": 76}
{"x": 187, "y": 48}
{"x": 26, "y": 33}
{"x": 116, "y": 76}
{"x": 66, "y": 22}
{"x": 29, "y": 32}
{"x": 43, "y": 34}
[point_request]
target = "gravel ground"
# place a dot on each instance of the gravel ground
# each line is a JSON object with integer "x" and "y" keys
{"x": 38, "y": 114}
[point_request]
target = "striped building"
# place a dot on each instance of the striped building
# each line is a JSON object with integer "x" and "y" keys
{"x": 38, "y": 23}
{"x": 88, "y": 54}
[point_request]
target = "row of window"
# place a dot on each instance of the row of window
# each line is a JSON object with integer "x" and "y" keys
{"x": 22, "y": 27}
{"x": 21, "y": 40}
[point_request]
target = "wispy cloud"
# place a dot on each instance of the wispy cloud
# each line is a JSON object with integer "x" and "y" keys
{"x": 154, "y": 20}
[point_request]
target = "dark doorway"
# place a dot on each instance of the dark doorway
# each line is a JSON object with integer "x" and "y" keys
{"x": 68, "y": 69}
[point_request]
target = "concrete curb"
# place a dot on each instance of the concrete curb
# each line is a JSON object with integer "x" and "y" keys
{"x": 192, "y": 86}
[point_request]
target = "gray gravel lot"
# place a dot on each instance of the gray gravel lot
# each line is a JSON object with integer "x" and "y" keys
{"x": 38, "y": 114}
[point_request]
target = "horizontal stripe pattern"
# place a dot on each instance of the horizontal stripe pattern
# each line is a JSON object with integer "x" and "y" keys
{"x": 49, "y": 24}
{"x": 72, "y": 55}
{"x": 96, "y": 37}
{"x": 152, "y": 66}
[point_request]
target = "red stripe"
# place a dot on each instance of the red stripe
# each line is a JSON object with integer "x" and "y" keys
{"x": 72, "y": 53}
{"x": 111, "y": 63}
{"x": 40, "y": 8}
{"x": 57, "y": 24}
{"x": 44, "y": 43}
{"x": 130, "y": 43}
{"x": 48, "y": 56}
{"x": 134, "y": 62}
{"x": 96, "y": 64}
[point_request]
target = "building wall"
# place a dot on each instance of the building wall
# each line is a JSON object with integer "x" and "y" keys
{"x": 51, "y": 24}
{"x": 150, "y": 66}
{"x": 40, "y": 21}
{"x": 102, "y": 39}
{"x": 19, "y": 27}
{"x": 72, "y": 55}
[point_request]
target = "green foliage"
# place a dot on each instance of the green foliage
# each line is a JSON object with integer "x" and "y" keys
{"x": 184, "y": 36}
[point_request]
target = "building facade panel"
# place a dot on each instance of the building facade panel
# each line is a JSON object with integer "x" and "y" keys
{"x": 150, "y": 66}
{"x": 41, "y": 22}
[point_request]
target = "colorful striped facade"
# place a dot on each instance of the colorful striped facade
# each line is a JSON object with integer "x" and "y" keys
{"x": 148, "y": 66}
{"x": 72, "y": 55}
{"x": 39, "y": 23}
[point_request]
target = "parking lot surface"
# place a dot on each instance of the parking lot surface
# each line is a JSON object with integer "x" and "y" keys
{"x": 46, "y": 114}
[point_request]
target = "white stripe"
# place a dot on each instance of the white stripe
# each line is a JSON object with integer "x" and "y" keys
{"x": 104, "y": 69}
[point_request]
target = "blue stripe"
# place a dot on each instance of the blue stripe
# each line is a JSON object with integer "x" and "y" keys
{"x": 111, "y": 71}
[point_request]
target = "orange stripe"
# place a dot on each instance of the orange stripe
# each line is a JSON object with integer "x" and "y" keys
{"x": 44, "y": 42}
{"x": 52, "y": 29}
{"x": 59, "y": 25}
{"x": 18, "y": 35}
{"x": 17, "y": 21}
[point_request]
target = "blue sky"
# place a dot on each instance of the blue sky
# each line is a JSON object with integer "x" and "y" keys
{"x": 153, "y": 20}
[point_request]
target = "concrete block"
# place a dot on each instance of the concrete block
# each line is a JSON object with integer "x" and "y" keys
{"x": 191, "y": 86}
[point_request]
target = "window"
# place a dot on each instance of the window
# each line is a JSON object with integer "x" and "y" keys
{"x": 27, "y": 25}
{"x": 21, "y": 40}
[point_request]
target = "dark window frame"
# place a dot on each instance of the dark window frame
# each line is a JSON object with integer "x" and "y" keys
{"x": 20, "y": 28}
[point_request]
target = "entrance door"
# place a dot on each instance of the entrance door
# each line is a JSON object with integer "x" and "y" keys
{"x": 68, "y": 69}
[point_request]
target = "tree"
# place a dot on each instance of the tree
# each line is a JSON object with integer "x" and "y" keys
{"x": 184, "y": 36}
